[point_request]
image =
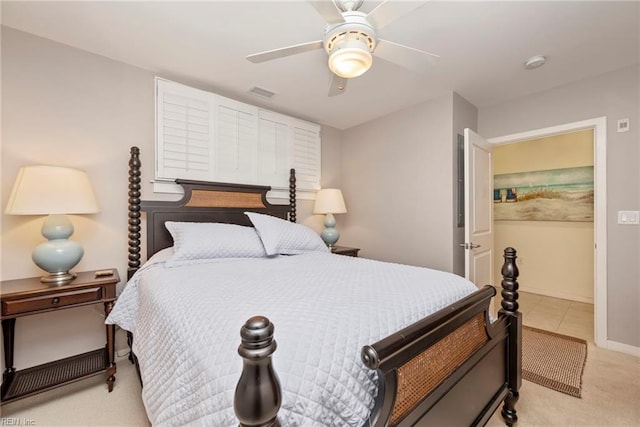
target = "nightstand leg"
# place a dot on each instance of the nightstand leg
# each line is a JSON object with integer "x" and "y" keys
{"x": 130, "y": 342}
{"x": 8, "y": 335}
{"x": 111, "y": 334}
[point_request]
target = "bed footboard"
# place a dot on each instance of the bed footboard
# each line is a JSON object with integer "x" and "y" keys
{"x": 454, "y": 367}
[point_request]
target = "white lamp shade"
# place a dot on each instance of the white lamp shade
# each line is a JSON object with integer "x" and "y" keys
{"x": 329, "y": 200}
{"x": 44, "y": 190}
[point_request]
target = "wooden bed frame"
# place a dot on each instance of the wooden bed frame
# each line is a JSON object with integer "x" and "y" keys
{"x": 454, "y": 367}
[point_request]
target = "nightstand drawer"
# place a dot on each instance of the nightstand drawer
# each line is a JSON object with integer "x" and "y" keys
{"x": 51, "y": 301}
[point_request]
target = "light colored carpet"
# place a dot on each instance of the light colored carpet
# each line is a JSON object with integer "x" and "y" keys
{"x": 84, "y": 403}
{"x": 610, "y": 396}
{"x": 553, "y": 360}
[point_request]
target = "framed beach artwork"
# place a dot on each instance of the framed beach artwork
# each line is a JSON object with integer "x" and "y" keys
{"x": 548, "y": 195}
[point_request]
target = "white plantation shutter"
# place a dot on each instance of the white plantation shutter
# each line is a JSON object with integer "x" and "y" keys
{"x": 236, "y": 145}
{"x": 183, "y": 133}
{"x": 207, "y": 137}
{"x": 306, "y": 154}
{"x": 274, "y": 148}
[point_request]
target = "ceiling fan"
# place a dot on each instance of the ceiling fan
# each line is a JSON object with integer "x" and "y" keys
{"x": 350, "y": 40}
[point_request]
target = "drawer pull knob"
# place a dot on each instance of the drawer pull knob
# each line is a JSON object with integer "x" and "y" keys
{"x": 55, "y": 301}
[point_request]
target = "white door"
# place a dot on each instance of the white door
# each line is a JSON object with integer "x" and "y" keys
{"x": 478, "y": 209}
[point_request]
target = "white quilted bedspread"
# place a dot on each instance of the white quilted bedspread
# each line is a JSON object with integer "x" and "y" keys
{"x": 186, "y": 322}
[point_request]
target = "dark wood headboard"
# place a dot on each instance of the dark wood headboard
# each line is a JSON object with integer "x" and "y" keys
{"x": 202, "y": 202}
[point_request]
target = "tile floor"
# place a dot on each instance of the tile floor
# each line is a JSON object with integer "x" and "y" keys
{"x": 566, "y": 317}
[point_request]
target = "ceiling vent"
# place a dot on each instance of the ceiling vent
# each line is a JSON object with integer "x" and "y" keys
{"x": 261, "y": 92}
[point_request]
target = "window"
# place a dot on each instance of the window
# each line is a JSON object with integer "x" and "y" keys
{"x": 274, "y": 146}
{"x": 306, "y": 155}
{"x": 207, "y": 137}
{"x": 183, "y": 133}
{"x": 235, "y": 142}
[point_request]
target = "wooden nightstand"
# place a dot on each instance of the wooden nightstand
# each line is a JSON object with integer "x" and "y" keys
{"x": 24, "y": 297}
{"x": 344, "y": 250}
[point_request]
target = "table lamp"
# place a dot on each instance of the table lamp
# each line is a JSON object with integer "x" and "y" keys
{"x": 54, "y": 191}
{"x": 329, "y": 201}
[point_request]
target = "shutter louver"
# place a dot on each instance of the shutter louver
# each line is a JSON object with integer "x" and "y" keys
{"x": 274, "y": 145}
{"x": 306, "y": 156}
{"x": 236, "y": 151}
{"x": 184, "y": 136}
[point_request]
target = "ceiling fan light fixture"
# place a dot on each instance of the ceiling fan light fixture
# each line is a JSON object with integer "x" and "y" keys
{"x": 350, "y": 60}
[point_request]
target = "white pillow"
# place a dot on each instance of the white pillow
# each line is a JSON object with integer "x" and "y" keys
{"x": 208, "y": 240}
{"x": 285, "y": 238}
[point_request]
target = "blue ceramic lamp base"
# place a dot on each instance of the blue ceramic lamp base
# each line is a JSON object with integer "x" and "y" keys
{"x": 330, "y": 235}
{"x": 59, "y": 254}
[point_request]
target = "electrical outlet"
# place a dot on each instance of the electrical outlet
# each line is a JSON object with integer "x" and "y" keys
{"x": 628, "y": 217}
{"x": 623, "y": 125}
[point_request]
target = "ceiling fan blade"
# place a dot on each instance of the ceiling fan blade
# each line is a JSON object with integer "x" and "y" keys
{"x": 284, "y": 51}
{"x": 389, "y": 10}
{"x": 338, "y": 85}
{"x": 405, "y": 56}
{"x": 328, "y": 10}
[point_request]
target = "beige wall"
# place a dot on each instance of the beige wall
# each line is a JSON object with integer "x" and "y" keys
{"x": 399, "y": 177}
{"x": 614, "y": 95}
{"x": 556, "y": 258}
{"x": 399, "y": 204}
{"x": 64, "y": 106}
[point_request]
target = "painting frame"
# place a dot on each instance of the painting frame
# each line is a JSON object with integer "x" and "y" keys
{"x": 565, "y": 194}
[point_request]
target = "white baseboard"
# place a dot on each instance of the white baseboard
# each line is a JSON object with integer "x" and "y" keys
{"x": 623, "y": 348}
{"x": 556, "y": 294}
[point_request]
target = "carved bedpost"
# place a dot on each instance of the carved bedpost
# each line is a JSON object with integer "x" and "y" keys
{"x": 134, "y": 211}
{"x": 510, "y": 309}
{"x": 509, "y": 283}
{"x": 292, "y": 195}
{"x": 258, "y": 395}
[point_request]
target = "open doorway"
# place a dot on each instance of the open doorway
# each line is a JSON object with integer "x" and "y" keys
{"x": 548, "y": 215}
{"x": 543, "y": 206}
{"x": 598, "y": 127}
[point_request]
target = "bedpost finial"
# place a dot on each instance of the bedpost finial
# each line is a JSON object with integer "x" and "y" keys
{"x": 257, "y": 334}
{"x": 258, "y": 395}
{"x": 370, "y": 357}
{"x": 509, "y": 282}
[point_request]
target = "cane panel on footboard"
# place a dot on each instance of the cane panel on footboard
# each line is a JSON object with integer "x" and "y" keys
{"x": 418, "y": 377}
